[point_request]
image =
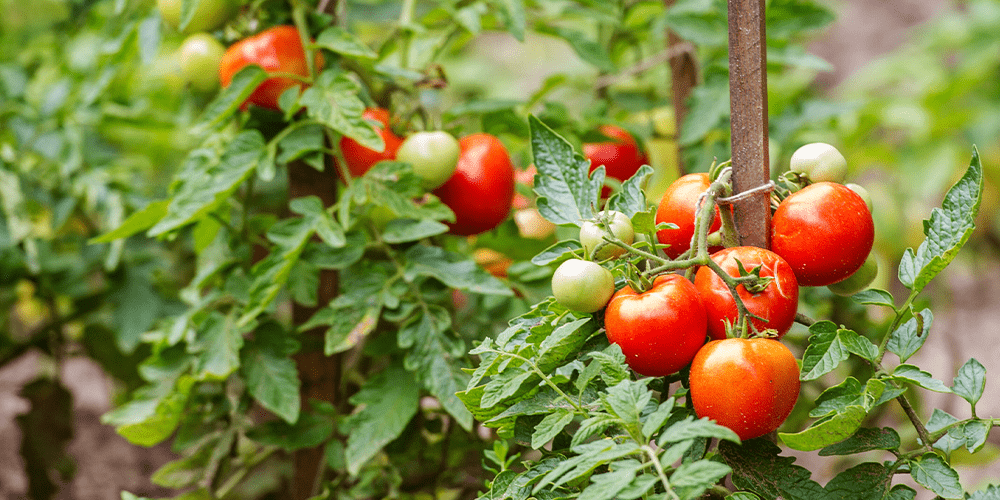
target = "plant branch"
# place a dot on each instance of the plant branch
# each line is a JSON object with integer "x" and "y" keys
{"x": 660, "y": 472}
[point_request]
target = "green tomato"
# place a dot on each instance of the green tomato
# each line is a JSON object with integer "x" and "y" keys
{"x": 858, "y": 281}
{"x": 862, "y": 192}
{"x": 581, "y": 285}
{"x": 592, "y": 235}
{"x": 434, "y": 156}
{"x": 820, "y": 162}
{"x": 208, "y": 14}
{"x": 200, "y": 55}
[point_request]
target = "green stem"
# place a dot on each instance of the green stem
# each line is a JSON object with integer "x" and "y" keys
{"x": 545, "y": 379}
{"x": 915, "y": 420}
{"x": 299, "y": 17}
{"x": 900, "y": 312}
{"x": 802, "y": 319}
{"x": 405, "y": 20}
{"x": 660, "y": 472}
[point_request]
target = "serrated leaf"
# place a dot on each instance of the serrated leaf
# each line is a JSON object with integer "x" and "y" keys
{"x": 991, "y": 492}
{"x": 271, "y": 376}
{"x": 452, "y": 269}
{"x": 388, "y": 401}
{"x": 917, "y": 376}
{"x": 709, "y": 107}
{"x": 218, "y": 343}
{"x": 631, "y": 199}
{"x": 692, "y": 479}
{"x": 244, "y": 82}
{"x": 742, "y": 495}
{"x": 931, "y": 472}
{"x": 757, "y": 467}
{"x": 656, "y": 419}
{"x": 863, "y": 440}
{"x": 591, "y": 456}
{"x": 566, "y": 194}
{"x": 970, "y": 382}
{"x": 340, "y": 41}
{"x": 947, "y": 230}
{"x": 829, "y": 431}
{"x": 866, "y": 481}
{"x": 828, "y": 347}
{"x": 151, "y": 417}
{"x": 834, "y": 399}
{"x": 406, "y": 230}
{"x": 690, "y": 428}
{"x": 910, "y": 336}
{"x": 333, "y": 101}
{"x": 901, "y": 492}
{"x": 300, "y": 142}
{"x": 627, "y": 400}
{"x": 551, "y": 425}
{"x": 135, "y": 223}
{"x": 874, "y": 297}
{"x": 589, "y": 50}
{"x": 563, "y": 250}
{"x": 309, "y": 431}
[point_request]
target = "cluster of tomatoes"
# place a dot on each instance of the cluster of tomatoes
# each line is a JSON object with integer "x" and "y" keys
{"x": 822, "y": 235}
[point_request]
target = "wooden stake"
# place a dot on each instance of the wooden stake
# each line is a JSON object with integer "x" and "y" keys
{"x": 748, "y": 102}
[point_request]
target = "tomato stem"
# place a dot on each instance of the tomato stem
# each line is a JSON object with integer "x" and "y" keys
{"x": 659, "y": 471}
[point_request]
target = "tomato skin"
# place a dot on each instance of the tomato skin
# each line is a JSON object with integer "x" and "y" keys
{"x": 208, "y": 15}
{"x": 582, "y": 285}
{"x": 677, "y": 206}
{"x": 592, "y": 235}
{"x": 747, "y": 385}
{"x": 824, "y": 231}
{"x": 360, "y": 158}
{"x": 199, "y": 56}
{"x": 819, "y": 162}
{"x": 481, "y": 191}
{"x": 277, "y": 50}
{"x": 620, "y": 156}
{"x": 860, "y": 280}
{"x": 778, "y": 302}
{"x": 659, "y": 330}
{"x": 433, "y": 155}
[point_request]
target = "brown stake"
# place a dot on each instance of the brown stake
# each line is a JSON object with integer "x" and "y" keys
{"x": 748, "y": 102}
{"x": 683, "y": 79}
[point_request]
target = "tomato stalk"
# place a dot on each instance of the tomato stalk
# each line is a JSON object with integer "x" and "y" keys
{"x": 299, "y": 18}
{"x": 660, "y": 472}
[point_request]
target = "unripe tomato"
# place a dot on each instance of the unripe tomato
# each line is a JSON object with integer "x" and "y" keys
{"x": 482, "y": 188}
{"x": 360, "y": 158}
{"x": 819, "y": 162}
{"x": 747, "y": 385}
{"x": 276, "y": 50}
{"x": 620, "y": 156}
{"x": 858, "y": 281}
{"x": 862, "y": 192}
{"x": 433, "y": 154}
{"x": 581, "y": 285}
{"x": 208, "y": 14}
{"x": 592, "y": 235}
{"x": 200, "y": 55}
{"x": 531, "y": 224}
{"x": 659, "y": 330}
{"x": 777, "y": 303}
{"x": 825, "y": 232}
{"x": 678, "y": 206}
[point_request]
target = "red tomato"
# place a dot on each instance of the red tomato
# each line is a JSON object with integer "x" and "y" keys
{"x": 659, "y": 330}
{"x": 825, "y": 232}
{"x": 481, "y": 190}
{"x": 277, "y": 50}
{"x": 620, "y": 156}
{"x": 777, "y": 303}
{"x": 747, "y": 385}
{"x": 359, "y": 158}
{"x": 678, "y": 206}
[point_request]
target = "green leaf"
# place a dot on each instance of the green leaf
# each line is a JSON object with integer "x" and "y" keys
{"x": 627, "y": 400}
{"x": 271, "y": 376}
{"x": 137, "y": 306}
{"x": 931, "y": 472}
{"x": 387, "y": 402}
{"x": 514, "y": 16}
{"x": 829, "y": 431}
{"x": 866, "y": 481}
{"x": 340, "y": 41}
{"x": 566, "y": 194}
{"x": 947, "y": 230}
{"x": 452, "y": 269}
{"x": 758, "y": 468}
{"x": 590, "y": 51}
{"x": 692, "y": 479}
{"x": 271, "y": 274}
{"x": 655, "y": 420}
{"x": 874, "y": 297}
{"x": 153, "y": 415}
{"x": 971, "y": 435}
{"x": 742, "y": 495}
{"x": 991, "y": 492}
{"x": 829, "y": 346}
{"x": 709, "y": 108}
{"x": 690, "y": 428}
{"x": 590, "y": 456}
{"x": 901, "y": 492}
{"x": 910, "y": 336}
{"x": 865, "y": 439}
{"x": 970, "y": 381}
{"x": 218, "y": 343}
{"x": 913, "y": 374}
{"x": 333, "y": 101}
{"x": 562, "y": 250}
{"x": 309, "y": 431}
{"x": 551, "y": 425}
{"x": 135, "y": 223}
{"x": 244, "y": 82}
{"x": 837, "y": 398}
{"x": 406, "y": 230}
{"x": 206, "y": 186}
{"x": 311, "y": 207}
{"x": 631, "y": 199}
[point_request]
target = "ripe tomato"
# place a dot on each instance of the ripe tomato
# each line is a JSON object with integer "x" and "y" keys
{"x": 777, "y": 303}
{"x": 208, "y": 14}
{"x": 620, "y": 156}
{"x": 277, "y": 50}
{"x": 825, "y": 232}
{"x": 819, "y": 162}
{"x": 492, "y": 261}
{"x": 678, "y": 206}
{"x": 659, "y": 330}
{"x": 748, "y": 385}
{"x": 359, "y": 158}
{"x": 200, "y": 55}
{"x": 433, "y": 154}
{"x": 482, "y": 188}
{"x": 592, "y": 234}
{"x": 581, "y": 285}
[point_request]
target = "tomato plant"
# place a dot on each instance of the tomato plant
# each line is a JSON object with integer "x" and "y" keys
{"x": 433, "y": 155}
{"x": 276, "y": 50}
{"x": 592, "y": 234}
{"x": 677, "y": 206}
{"x": 200, "y": 55}
{"x": 360, "y": 158}
{"x": 747, "y": 385}
{"x": 208, "y": 14}
{"x": 581, "y": 285}
{"x": 774, "y": 302}
{"x": 621, "y": 155}
{"x": 481, "y": 190}
{"x": 825, "y": 232}
{"x": 659, "y": 330}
